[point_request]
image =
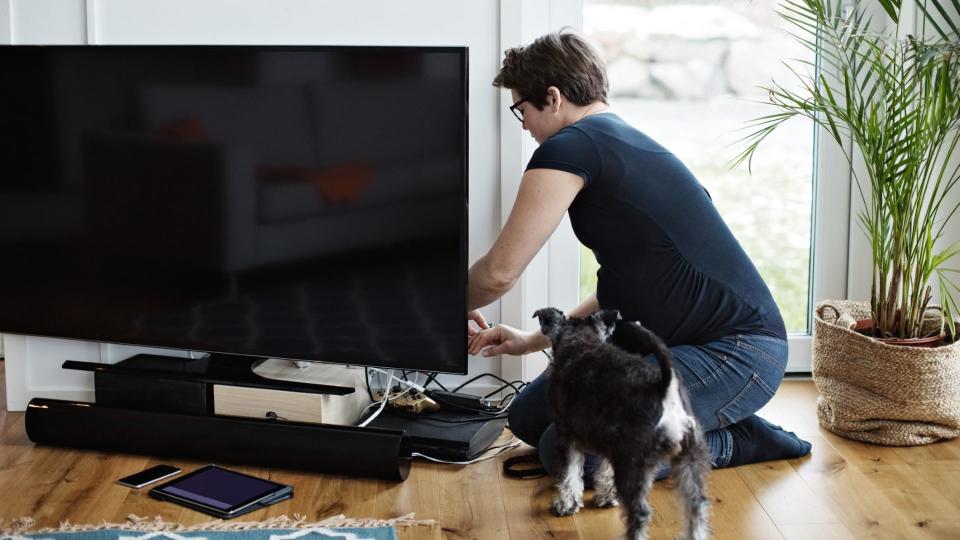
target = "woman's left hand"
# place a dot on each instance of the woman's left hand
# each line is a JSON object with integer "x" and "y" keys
{"x": 503, "y": 339}
{"x": 476, "y": 317}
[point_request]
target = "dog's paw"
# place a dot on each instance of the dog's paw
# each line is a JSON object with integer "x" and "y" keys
{"x": 566, "y": 505}
{"x": 605, "y": 500}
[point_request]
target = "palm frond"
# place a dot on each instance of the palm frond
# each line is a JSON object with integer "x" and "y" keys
{"x": 897, "y": 101}
{"x": 892, "y": 7}
{"x": 947, "y": 17}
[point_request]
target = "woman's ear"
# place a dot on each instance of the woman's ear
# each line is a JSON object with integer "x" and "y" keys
{"x": 554, "y": 99}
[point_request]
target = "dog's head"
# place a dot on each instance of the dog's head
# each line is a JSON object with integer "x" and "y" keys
{"x": 597, "y": 327}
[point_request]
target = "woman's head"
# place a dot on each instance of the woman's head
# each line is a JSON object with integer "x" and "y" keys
{"x": 557, "y": 68}
{"x": 561, "y": 59}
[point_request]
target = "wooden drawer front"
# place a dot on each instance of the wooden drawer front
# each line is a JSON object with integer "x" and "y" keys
{"x": 258, "y": 402}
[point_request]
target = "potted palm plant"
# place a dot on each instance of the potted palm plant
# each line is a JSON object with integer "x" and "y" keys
{"x": 896, "y": 97}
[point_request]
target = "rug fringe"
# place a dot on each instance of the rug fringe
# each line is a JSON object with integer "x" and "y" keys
{"x": 134, "y": 522}
{"x": 17, "y": 526}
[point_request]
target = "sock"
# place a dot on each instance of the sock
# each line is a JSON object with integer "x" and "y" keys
{"x": 756, "y": 440}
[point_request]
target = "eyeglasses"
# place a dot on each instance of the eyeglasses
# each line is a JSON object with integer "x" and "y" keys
{"x": 518, "y": 112}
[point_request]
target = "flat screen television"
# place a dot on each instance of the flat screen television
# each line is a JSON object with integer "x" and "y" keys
{"x": 298, "y": 202}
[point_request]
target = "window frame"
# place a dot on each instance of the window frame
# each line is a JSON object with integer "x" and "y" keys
{"x": 553, "y": 277}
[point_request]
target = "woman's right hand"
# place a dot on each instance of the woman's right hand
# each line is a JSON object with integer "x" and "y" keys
{"x": 503, "y": 339}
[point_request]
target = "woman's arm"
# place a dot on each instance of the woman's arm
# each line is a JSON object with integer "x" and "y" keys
{"x": 543, "y": 199}
{"x": 583, "y": 309}
{"x": 503, "y": 339}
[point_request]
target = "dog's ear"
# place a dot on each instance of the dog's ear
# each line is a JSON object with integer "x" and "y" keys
{"x": 605, "y": 320}
{"x": 550, "y": 321}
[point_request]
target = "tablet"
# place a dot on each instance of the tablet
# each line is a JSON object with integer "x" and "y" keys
{"x": 222, "y": 493}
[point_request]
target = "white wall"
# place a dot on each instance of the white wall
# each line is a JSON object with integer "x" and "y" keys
{"x": 33, "y": 364}
{"x": 553, "y": 276}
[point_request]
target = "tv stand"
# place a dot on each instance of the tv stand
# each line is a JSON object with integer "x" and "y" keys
{"x": 167, "y": 406}
{"x": 229, "y": 369}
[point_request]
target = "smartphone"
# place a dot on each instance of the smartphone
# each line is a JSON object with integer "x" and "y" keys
{"x": 148, "y": 476}
{"x": 222, "y": 493}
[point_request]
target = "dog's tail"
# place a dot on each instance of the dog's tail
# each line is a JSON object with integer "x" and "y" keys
{"x": 635, "y": 338}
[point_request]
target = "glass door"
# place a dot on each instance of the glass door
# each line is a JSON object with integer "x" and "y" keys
{"x": 688, "y": 74}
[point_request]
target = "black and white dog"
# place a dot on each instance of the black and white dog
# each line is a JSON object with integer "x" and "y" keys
{"x": 607, "y": 399}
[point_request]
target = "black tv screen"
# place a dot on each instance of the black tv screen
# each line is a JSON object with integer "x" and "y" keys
{"x": 290, "y": 202}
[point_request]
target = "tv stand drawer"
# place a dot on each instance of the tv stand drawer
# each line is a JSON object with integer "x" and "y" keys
{"x": 265, "y": 403}
{"x": 290, "y": 405}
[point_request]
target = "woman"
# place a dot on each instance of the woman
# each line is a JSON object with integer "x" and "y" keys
{"x": 667, "y": 259}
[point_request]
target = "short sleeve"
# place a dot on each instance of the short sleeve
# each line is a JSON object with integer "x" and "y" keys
{"x": 570, "y": 150}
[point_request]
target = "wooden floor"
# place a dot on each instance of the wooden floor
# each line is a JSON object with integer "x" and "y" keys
{"x": 843, "y": 490}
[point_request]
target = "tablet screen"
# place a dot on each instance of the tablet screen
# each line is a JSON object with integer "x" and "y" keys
{"x": 219, "y": 488}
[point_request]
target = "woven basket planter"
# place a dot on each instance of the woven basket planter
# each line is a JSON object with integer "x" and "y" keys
{"x": 879, "y": 393}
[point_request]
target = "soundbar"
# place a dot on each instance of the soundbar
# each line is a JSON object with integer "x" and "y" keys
{"x": 342, "y": 450}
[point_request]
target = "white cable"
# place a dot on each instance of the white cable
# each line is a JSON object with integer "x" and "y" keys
{"x": 383, "y": 403}
{"x": 514, "y": 442}
{"x": 387, "y": 397}
{"x": 399, "y": 380}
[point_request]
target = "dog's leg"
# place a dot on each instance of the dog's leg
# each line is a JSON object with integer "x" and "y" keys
{"x": 690, "y": 468}
{"x": 569, "y": 496}
{"x": 633, "y": 479}
{"x": 604, "y": 490}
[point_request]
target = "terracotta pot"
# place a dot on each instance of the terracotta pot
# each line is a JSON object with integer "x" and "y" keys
{"x": 865, "y": 325}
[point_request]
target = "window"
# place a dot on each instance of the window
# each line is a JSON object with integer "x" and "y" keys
{"x": 686, "y": 74}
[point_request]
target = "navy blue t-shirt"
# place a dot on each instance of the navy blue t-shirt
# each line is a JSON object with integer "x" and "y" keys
{"x": 667, "y": 259}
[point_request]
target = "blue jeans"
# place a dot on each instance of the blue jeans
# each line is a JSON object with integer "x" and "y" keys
{"x": 727, "y": 380}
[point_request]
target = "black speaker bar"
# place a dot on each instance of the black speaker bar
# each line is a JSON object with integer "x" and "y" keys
{"x": 342, "y": 450}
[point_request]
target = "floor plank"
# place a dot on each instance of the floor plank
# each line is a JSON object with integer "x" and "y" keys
{"x": 85, "y": 494}
{"x": 527, "y": 507}
{"x": 845, "y": 489}
{"x": 736, "y": 512}
{"x": 867, "y": 505}
{"x": 471, "y": 503}
{"x": 784, "y": 495}
{"x": 816, "y": 531}
{"x": 420, "y": 494}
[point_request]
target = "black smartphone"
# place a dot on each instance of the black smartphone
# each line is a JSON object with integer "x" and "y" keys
{"x": 222, "y": 493}
{"x": 148, "y": 476}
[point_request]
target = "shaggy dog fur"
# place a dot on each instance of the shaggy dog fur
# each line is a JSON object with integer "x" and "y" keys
{"x": 607, "y": 399}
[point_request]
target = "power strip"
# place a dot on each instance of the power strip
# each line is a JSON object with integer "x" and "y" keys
{"x": 462, "y": 401}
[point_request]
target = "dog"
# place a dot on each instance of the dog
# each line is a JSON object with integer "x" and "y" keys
{"x": 607, "y": 399}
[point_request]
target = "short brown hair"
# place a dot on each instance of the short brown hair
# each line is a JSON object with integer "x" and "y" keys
{"x": 561, "y": 59}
